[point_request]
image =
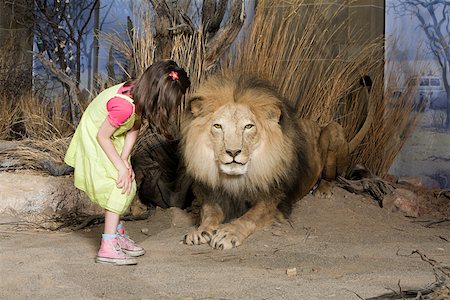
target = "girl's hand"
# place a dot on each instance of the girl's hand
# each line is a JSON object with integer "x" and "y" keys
{"x": 124, "y": 180}
{"x": 130, "y": 169}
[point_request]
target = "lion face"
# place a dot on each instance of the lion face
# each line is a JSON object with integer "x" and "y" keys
{"x": 234, "y": 136}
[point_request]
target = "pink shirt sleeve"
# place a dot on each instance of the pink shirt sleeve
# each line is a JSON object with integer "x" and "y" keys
{"x": 119, "y": 110}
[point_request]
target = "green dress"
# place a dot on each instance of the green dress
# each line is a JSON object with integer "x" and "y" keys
{"x": 94, "y": 173}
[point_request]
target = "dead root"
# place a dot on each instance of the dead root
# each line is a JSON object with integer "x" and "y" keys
{"x": 67, "y": 222}
{"x": 445, "y": 193}
{"x": 375, "y": 187}
{"x": 76, "y": 222}
{"x": 360, "y": 180}
{"x": 432, "y": 223}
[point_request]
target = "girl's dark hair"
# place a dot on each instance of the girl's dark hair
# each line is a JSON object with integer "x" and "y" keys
{"x": 158, "y": 92}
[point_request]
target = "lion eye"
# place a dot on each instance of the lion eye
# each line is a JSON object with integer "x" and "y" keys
{"x": 248, "y": 126}
{"x": 218, "y": 126}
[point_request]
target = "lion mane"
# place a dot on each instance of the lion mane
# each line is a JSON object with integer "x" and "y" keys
{"x": 249, "y": 157}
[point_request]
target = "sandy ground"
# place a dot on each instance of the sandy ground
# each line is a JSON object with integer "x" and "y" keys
{"x": 345, "y": 247}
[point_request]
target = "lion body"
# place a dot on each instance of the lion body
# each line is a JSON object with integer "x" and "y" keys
{"x": 250, "y": 158}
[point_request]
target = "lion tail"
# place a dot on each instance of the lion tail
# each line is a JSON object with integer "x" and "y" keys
{"x": 357, "y": 139}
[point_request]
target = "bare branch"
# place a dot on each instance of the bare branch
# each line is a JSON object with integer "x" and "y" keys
{"x": 69, "y": 82}
{"x": 225, "y": 35}
{"x": 212, "y": 15}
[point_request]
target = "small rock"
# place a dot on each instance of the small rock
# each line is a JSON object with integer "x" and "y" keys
{"x": 277, "y": 233}
{"x": 48, "y": 211}
{"x": 144, "y": 230}
{"x": 411, "y": 180}
{"x": 430, "y": 183}
{"x": 404, "y": 201}
{"x": 291, "y": 272}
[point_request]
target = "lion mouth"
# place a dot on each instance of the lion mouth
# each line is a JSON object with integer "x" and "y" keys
{"x": 234, "y": 162}
{"x": 234, "y": 168}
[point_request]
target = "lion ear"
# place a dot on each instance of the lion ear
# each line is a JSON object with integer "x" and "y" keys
{"x": 195, "y": 105}
{"x": 274, "y": 113}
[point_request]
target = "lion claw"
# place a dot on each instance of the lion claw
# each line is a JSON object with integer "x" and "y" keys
{"x": 225, "y": 239}
{"x": 197, "y": 237}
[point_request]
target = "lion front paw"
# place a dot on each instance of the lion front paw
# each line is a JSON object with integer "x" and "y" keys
{"x": 199, "y": 236}
{"x": 227, "y": 237}
{"x": 324, "y": 190}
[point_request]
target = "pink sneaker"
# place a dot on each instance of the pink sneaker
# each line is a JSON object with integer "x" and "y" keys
{"x": 128, "y": 245}
{"x": 110, "y": 252}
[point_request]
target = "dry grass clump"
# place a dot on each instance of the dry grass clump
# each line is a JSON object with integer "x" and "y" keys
{"x": 9, "y": 117}
{"x": 42, "y": 120}
{"x": 32, "y": 153}
{"x": 42, "y": 132}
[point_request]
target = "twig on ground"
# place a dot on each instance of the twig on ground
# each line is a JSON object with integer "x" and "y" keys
{"x": 441, "y": 273}
{"x": 445, "y": 192}
{"x": 308, "y": 233}
{"x": 431, "y": 223}
{"x": 356, "y": 294}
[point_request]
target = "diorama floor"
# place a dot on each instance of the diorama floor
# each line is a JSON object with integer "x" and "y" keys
{"x": 344, "y": 247}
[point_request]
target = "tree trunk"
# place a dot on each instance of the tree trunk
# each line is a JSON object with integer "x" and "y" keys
{"x": 447, "y": 122}
{"x": 18, "y": 68}
{"x": 96, "y": 45}
{"x": 163, "y": 22}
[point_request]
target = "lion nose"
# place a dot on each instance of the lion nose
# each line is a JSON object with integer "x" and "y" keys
{"x": 233, "y": 153}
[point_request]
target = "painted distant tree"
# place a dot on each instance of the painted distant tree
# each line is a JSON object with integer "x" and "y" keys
{"x": 434, "y": 20}
{"x": 61, "y": 28}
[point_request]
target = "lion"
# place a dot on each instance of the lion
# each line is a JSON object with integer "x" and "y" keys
{"x": 251, "y": 159}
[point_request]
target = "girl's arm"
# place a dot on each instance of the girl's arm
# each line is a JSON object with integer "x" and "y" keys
{"x": 130, "y": 140}
{"x": 104, "y": 134}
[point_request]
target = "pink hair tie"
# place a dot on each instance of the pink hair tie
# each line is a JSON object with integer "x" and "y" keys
{"x": 174, "y": 75}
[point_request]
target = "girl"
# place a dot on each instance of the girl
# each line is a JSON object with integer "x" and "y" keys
{"x": 101, "y": 146}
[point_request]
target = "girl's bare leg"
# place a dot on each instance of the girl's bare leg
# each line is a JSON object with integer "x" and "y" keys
{"x": 111, "y": 222}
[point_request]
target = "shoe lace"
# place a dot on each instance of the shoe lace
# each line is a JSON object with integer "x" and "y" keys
{"x": 127, "y": 239}
{"x": 117, "y": 247}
